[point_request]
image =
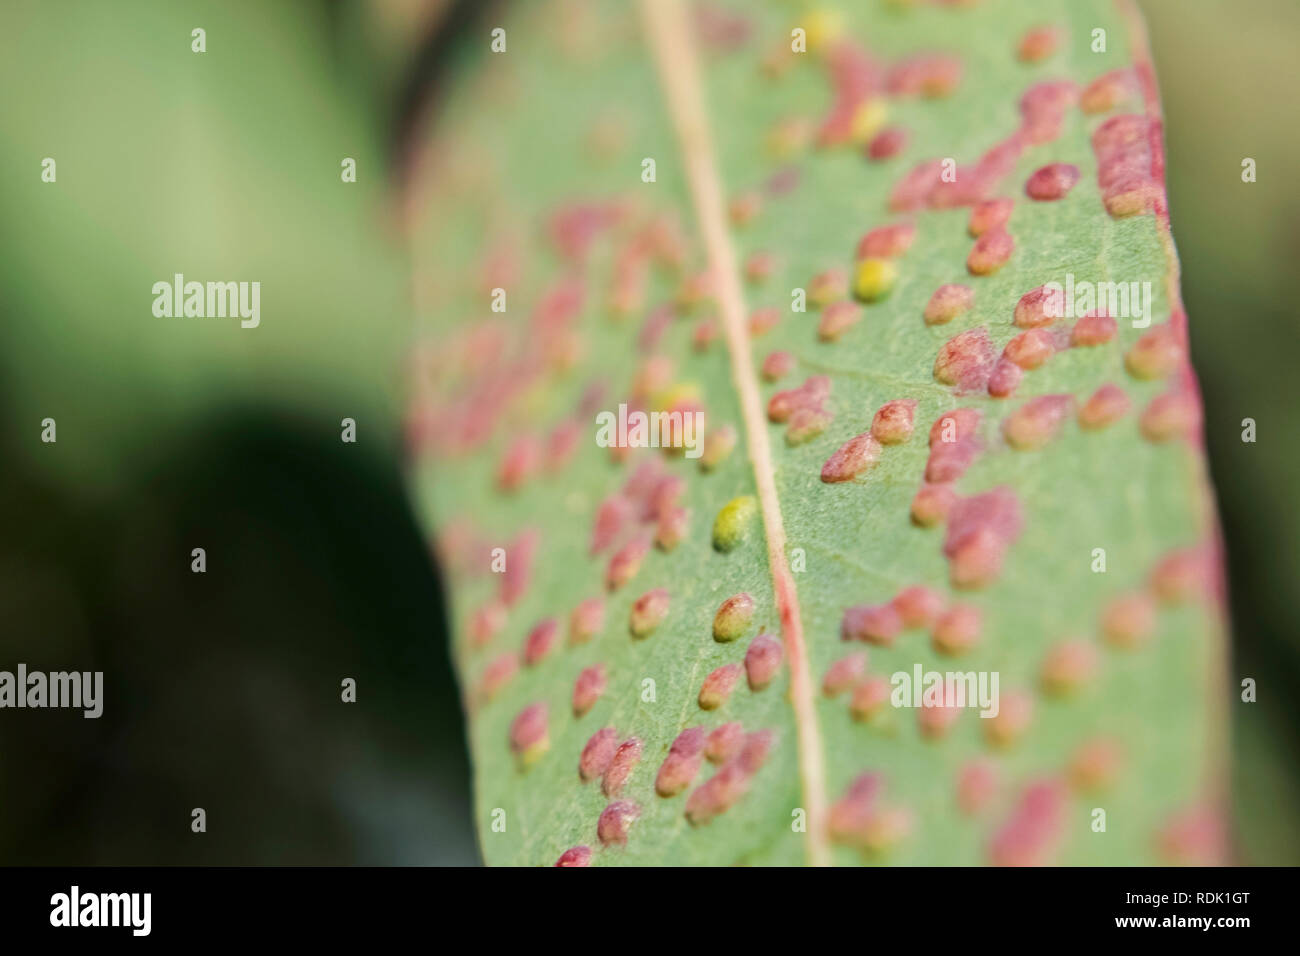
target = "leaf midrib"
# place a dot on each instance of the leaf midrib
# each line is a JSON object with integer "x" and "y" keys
{"x": 673, "y": 45}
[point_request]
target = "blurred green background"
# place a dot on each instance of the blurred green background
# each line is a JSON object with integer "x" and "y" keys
{"x": 223, "y": 688}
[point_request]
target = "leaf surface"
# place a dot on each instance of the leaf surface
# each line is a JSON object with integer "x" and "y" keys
{"x": 1077, "y": 565}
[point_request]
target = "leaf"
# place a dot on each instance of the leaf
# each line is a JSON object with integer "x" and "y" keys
{"x": 142, "y": 155}
{"x": 1078, "y": 562}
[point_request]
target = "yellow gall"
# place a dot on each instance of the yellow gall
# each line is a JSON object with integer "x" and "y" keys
{"x": 822, "y": 27}
{"x": 733, "y": 522}
{"x": 873, "y": 279}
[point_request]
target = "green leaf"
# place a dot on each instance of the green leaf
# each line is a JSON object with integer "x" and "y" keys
{"x": 222, "y": 166}
{"x": 1078, "y": 565}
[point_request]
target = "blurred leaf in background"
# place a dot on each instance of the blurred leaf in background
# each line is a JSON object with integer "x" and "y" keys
{"x": 222, "y": 165}
{"x": 1228, "y": 77}
{"x": 223, "y": 688}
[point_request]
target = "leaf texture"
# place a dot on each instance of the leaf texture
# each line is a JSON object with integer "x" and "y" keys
{"x": 1056, "y": 534}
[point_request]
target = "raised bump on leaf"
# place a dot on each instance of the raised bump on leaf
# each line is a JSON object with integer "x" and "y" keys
{"x": 588, "y": 688}
{"x": 682, "y": 763}
{"x": 957, "y": 630}
{"x": 597, "y": 754}
{"x": 733, "y": 617}
{"x": 989, "y": 214}
{"x": 844, "y": 674}
{"x": 541, "y": 641}
{"x": 869, "y": 698}
{"x": 851, "y": 459}
{"x": 530, "y": 733}
{"x": 575, "y": 856}
{"x": 1104, "y": 407}
{"x": 872, "y": 623}
{"x": 648, "y": 612}
{"x": 1050, "y": 182}
{"x": 717, "y": 687}
{"x": 732, "y": 524}
{"x": 626, "y": 756}
{"x": 616, "y": 821}
{"x": 762, "y": 661}
{"x": 948, "y": 302}
{"x": 893, "y": 421}
{"x": 990, "y": 252}
{"x": 724, "y": 742}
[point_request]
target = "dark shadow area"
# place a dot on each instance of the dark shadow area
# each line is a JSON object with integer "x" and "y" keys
{"x": 1223, "y": 78}
{"x": 223, "y": 688}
